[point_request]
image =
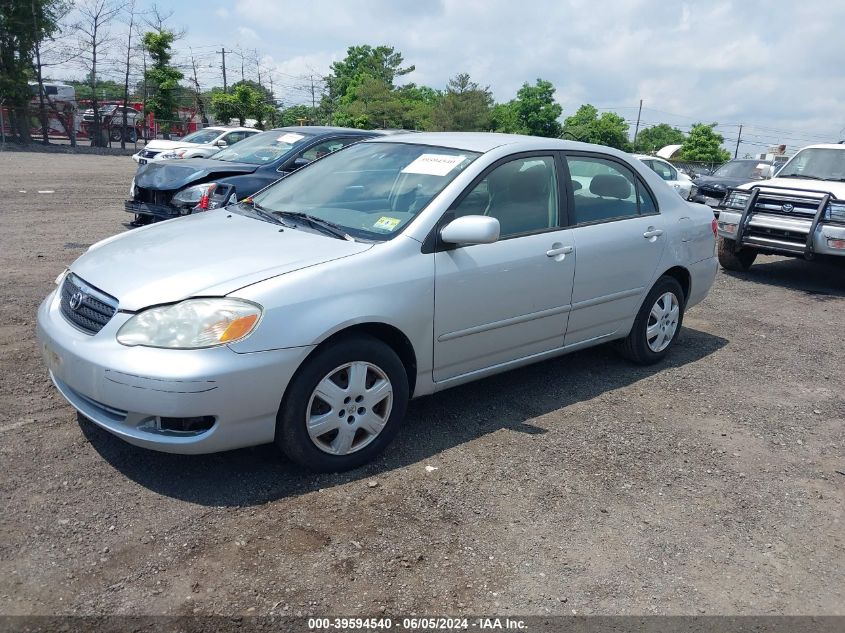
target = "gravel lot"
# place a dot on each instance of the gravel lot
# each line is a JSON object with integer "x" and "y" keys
{"x": 708, "y": 484}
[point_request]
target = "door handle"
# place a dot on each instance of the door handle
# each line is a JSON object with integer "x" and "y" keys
{"x": 652, "y": 232}
{"x": 563, "y": 250}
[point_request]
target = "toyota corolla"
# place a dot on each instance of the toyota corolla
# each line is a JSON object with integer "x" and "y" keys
{"x": 309, "y": 314}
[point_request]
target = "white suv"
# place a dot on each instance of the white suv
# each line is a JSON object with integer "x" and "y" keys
{"x": 800, "y": 212}
{"x": 200, "y": 144}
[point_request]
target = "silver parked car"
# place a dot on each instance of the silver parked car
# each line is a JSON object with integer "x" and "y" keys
{"x": 311, "y": 313}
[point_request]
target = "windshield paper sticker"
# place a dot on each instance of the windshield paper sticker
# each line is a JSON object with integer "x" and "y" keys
{"x": 386, "y": 223}
{"x": 434, "y": 164}
{"x": 290, "y": 137}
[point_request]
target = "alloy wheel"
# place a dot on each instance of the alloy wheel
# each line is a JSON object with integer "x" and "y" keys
{"x": 349, "y": 408}
{"x": 663, "y": 322}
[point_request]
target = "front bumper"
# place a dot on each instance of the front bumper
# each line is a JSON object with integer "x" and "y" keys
{"x": 124, "y": 389}
{"x": 781, "y": 235}
{"x": 158, "y": 211}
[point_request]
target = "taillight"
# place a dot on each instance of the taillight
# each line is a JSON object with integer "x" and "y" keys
{"x": 715, "y": 226}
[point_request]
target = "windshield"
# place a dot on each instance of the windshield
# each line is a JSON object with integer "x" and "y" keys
{"x": 816, "y": 163}
{"x": 262, "y": 148}
{"x": 744, "y": 169}
{"x": 370, "y": 190}
{"x": 202, "y": 136}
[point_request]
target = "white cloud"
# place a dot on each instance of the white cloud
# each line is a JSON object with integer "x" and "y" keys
{"x": 763, "y": 64}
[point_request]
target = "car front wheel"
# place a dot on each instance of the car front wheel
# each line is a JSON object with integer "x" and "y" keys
{"x": 657, "y": 324}
{"x": 344, "y": 405}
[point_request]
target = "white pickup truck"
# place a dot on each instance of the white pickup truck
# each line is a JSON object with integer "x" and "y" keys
{"x": 799, "y": 213}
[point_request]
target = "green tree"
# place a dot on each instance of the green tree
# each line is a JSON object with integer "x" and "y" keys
{"x": 416, "y": 106}
{"x": 294, "y": 115}
{"x": 657, "y": 137}
{"x": 23, "y": 25}
{"x": 382, "y": 63}
{"x": 588, "y": 127}
{"x": 536, "y": 109}
{"x": 162, "y": 78}
{"x": 703, "y": 144}
{"x": 464, "y": 107}
{"x": 243, "y": 102}
{"x": 369, "y": 103}
{"x": 504, "y": 118}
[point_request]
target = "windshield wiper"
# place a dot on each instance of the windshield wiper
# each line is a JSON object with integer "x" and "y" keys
{"x": 317, "y": 223}
{"x": 260, "y": 211}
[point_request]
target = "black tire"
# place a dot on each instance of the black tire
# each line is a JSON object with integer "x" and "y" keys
{"x": 292, "y": 436}
{"x": 732, "y": 258}
{"x": 635, "y": 346}
{"x": 115, "y": 134}
{"x": 130, "y": 135}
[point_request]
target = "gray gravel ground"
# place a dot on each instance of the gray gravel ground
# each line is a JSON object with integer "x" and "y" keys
{"x": 707, "y": 484}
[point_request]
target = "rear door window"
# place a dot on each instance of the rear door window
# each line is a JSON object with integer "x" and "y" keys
{"x": 606, "y": 190}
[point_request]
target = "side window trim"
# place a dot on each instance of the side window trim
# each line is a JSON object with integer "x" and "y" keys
{"x": 613, "y": 159}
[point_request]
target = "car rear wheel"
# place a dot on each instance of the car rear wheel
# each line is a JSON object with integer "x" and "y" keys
{"x": 344, "y": 405}
{"x": 733, "y": 258}
{"x": 657, "y": 324}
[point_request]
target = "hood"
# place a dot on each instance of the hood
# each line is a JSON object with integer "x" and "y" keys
{"x": 204, "y": 254}
{"x": 802, "y": 185}
{"x": 165, "y": 175}
{"x": 727, "y": 183}
{"x": 160, "y": 145}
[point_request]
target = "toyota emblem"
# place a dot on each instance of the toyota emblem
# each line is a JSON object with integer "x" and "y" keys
{"x": 787, "y": 208}
{"x": 76, "y": 300}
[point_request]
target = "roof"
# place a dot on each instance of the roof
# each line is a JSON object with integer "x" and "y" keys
{"x": 486, "y": 141}
{"x": 825, "y": 146}
{"x": 317, "y": 130}
{"x": 668, "y": 151}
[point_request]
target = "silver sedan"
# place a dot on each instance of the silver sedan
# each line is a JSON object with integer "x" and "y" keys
{"x": 311, "y": 313}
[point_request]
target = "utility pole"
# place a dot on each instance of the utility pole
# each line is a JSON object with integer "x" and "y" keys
{"x": 313, "y": 98}
{"x": 258, "y": 65}
{"x": 225, "y": 85}
{"x": 738, "y": 139}
{"x": 198, "y": 95}
{"x": 637, "y": 129}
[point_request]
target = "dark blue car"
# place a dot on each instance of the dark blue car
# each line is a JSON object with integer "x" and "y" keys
{"x": 170, "y": 188}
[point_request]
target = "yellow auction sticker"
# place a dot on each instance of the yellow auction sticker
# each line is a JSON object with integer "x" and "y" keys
{"x": 386, "y": 223}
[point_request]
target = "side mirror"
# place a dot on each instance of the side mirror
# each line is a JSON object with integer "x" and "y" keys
{"x": 471, "y": 229}
{"x": 221, "y": 143}
{"x": 296, "y": 164}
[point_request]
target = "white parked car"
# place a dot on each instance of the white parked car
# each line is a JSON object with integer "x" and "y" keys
{"x": 310, "y": 313}
{"x": 670, "y": 174}
{"x": 200, "y": 144}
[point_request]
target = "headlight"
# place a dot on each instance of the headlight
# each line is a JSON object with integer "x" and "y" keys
{"x": 178, "y": 153}
{"x": 736, "y": 199}
{"x": 836, "y": 212}
{"x": 191, "y": 324}
{"x": 193, "y": 195}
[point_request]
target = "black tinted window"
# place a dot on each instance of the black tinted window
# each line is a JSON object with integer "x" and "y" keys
{"x": 605, "y": 190}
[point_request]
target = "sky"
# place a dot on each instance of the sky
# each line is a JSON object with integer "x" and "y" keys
{"x": 776, "y": 67}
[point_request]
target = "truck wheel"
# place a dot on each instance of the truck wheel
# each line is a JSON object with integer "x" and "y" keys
{"x": 657, "y": 324}
{"x": 344, "y": 405}
{"x": 733, "y": 259}
{"x": 115, "y": 134}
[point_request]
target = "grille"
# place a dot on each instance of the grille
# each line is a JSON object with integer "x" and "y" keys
{"x": 95, "y": 308}
{"x": 795, "y": 207}
{"x": 153, "y": 196}
{"x": 710, "y": 192}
